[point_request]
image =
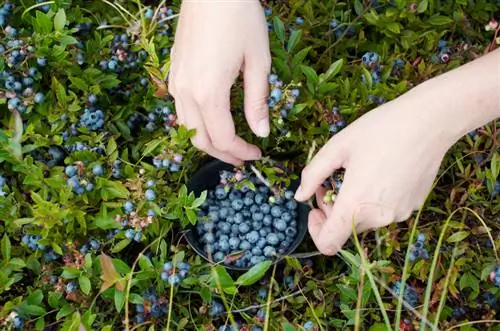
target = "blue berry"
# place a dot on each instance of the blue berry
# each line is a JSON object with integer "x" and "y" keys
{"x": 42, "y": 62}
{"x": 130, "y": 233}
{"x": 280, "y": 225}
{"x": 98, "y": 170}
{"x": 70, "y": 171}
{"x": 150, "y": 195}
{"x": 129, "y": 207}
{"x": 272, "y": 239}
{"x": 308, "y": 325}
{"x": 39, "y": 97}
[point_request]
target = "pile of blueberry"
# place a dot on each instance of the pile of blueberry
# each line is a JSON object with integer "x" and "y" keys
{"x": 495, "y": 276}
{"x": 159, "y": 117}
{"x": 254, "y": 223}
{"x": 371, "y": 60}
{"x": 154, "y": 306}
{"x": 174, "y": 275}
{"x": 281, "y": 100}
{"x": 410, "y": 294}
{"x": 168, "y": 161}
{"x": 418, "y": 250}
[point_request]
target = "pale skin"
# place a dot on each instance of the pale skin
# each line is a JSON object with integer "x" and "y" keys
{"x": 391, "y": 155}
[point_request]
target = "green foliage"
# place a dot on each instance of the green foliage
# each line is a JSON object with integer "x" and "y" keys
{"x": 89, "y": 268}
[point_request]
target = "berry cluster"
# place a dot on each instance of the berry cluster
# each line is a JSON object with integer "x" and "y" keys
{"x": 418, "y": 250}
{"x": 444, "y": 53}
{"x": 281, "y": 101}
{"x": 495, "y": 276}
{"x": 92, "y": 119}
{"x": 51, "y": 156}
{"x": 410, "y": 294}
{"x": 154, "y": 306}
{"x": 76, "y": 179}
{"x": 14, "y": 319}
{"x": 371, "y": 60}
{"x": 335, "y": 120}
{"x": 92, "y": 245}
{"x": 32, "y": 241}
{"x": 17, "y": 84}
{"x": 254, "y": 225}
{"x": 134, "y": 221}
{"x": 174, "y": 276}
{"x": 168, "y": 160}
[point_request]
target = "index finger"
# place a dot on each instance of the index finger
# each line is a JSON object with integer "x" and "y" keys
{"x": 220, "y": 127}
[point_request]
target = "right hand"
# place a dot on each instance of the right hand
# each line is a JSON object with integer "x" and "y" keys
{"x": 214, "y": 41}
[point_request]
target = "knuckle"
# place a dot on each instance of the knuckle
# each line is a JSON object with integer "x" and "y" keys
{"x": 222, "y": 143}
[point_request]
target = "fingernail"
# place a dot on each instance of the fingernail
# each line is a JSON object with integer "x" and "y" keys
{"x": 298, "y": 193}
{"x": 263, "y": 128}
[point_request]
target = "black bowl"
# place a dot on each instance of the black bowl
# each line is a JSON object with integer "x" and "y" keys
{"x": 206, "y": 178}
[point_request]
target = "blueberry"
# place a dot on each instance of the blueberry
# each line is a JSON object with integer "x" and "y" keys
{"x": 208, "y": 238}
{"x": 41, "y": 61}
{"x": 112, "y": 65}
{"x": 219, "y": 256}
{"x": 252, "y": 237}
{"x": 248, "y": 201}
{"x": 223, "y": 213}
{"x": 237, "y": 204}
{"x": 224, "y": 245}
{"x": 164, "y": 276}
{"x": 150, "y": 183}
{"x": 256, "y": 251}
{"x": 128, "y": 206}
{"x": 238, "y": 218}
{"x": 70, "y": 171}
{"x": 286, "y": 217}
{"x": 224, "y": 227}
{"x": 291, "y": 205}
{"x": 276, "y": 211}
{"x": 272, "y": 239}
{"x": 308, "y": 325}
{"x": 257, "y": 216}
{"x": 259, "y": 198}
{"x": 244, "y": 228}
{"x": 98, "y": 170}
{"x": 265, "y": 208}
{"x": 291, "y": 232}
{"x": 150, "y": 195}
{"x": 39, "y": 97}
{"x": 267, "y": 220}
{"x": 138, "y": 236}
{"x": 280, "y": 225}
{"x": 234, "y": 242}
{"x": 207, "y": 226}
{"x": 168, "y": 266}
{"x": 253, "y": 209}
{"x": 213, "y": 215}
{"x": 245, "y": 245}
{"x": 421, "y": 237}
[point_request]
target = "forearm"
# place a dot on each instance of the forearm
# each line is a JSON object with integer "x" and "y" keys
{"x": 463, "y": 99}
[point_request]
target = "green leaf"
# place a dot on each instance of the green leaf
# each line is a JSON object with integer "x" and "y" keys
{"x": 65, "y": 311}
{"x": 104, "y": 220}
{"x": 70, "y": 273}
{"x": 221, "y": 277}
{"x": 332, "y": 71}
{"x": 422, "y": 6}
{"x": 298, "y": 108}
{"x": 136, "y": 299}
{"x": 394, "y": 27}
{"x": 120, "y": 246}
{"x": 378, "y": 327}
{"x": 288, "y": 327}
{"x": 59, "y": 91}
{"x": 200, "y": 200}
{"x": 254, "y": 274}
{"x": 119, "y": 300}
{"x": 112, "y": 189}
{"x": 469, "y": 280}
{"x": 298, "y": 58}
{"x": 358, "y": 7}
{"x": 43, "y": 25}
{"x": 279, "y": 28}
{"x": 54, "y": 298}
{"x": 458, "y": 236}
{"x": 60, "y": 20}
{"x": 79, "y": 83}
{"x": 6, "y": 247}
{"x": 84, "y": 283}
{"x": 440, "y": 20}
{"x": 294, "y": 40}
{"x": 32, "y": 310}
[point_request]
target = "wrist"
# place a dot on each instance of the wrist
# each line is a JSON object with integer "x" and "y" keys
{"x": 462, "y": 99}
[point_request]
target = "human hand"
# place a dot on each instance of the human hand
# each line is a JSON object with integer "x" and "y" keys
{"x": 214, "y": 41}
{"x": 391, "y": 156}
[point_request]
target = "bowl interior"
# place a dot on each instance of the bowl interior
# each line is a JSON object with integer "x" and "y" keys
{"x": 208, "y": 178}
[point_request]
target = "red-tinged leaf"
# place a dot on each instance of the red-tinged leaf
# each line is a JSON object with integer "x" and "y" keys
{"x": 109, "y": 274}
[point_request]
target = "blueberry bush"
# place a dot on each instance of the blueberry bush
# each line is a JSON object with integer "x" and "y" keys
{"x": 94, "y": 176}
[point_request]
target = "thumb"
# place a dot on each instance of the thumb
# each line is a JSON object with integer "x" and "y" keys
{"x": 330, "y": 232}
{"x": 256, "y": 93}
{"x": 329, "y": 158}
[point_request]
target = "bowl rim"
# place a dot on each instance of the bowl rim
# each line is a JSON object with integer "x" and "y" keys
{"x": 190, "y": 230}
